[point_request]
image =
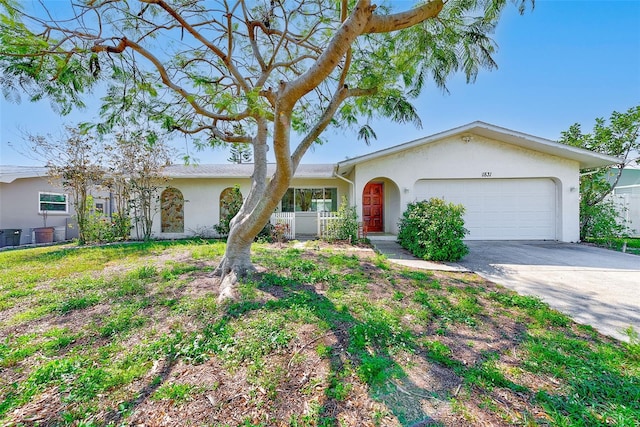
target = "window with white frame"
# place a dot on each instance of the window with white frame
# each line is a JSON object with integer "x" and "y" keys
{"x": 310, "y": 200}
{"x": 53, "y": 202}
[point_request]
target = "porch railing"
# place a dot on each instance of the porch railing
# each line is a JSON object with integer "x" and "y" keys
{"x": 324, "y": 219}
{"x": 286, "y": 219}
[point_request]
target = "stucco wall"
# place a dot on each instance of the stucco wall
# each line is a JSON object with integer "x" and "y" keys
{"x": 19, "y": 206}
{"x": 202, "y": 203}
{"x": 453, "y": 158}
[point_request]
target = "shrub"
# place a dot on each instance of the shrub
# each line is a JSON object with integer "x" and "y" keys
{"x": 102, "y": 229}
{"x": 433, "y": 230}
{"x": 602, "y": 221}
{"x": 345, "y": 227}
{"x": 230, "y": 206}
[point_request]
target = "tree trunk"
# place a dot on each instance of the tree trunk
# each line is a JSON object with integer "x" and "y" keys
{"x": 235, "y": 263}
{"x": 264, "y": 196}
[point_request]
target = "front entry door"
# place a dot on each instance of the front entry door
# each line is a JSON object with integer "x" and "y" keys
{"x": 372, "y": 207}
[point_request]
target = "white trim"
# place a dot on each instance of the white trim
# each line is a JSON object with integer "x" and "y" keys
{"x": 586, "y": 158}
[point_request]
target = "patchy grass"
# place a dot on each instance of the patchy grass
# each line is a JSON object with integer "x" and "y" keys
{"x": 324, "y": 336}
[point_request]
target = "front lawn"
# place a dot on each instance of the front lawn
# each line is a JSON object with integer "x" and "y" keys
{"x": 323, "y": 336}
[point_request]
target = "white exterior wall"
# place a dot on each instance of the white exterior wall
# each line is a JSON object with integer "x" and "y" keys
{"x": 453, "y": 158}
{"x": 202, "y": 203}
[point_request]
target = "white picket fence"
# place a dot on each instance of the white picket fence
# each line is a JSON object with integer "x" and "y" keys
{"x": 324, "y": 219}
{"x": 289, "y": 221}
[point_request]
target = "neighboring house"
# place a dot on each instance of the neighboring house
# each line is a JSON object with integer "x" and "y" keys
{"x": 29, "y": 201}
{"x": 513, "y": 185}
{"x": 627, "y": 195}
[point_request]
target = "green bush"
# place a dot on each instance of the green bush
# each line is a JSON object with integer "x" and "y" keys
{"x": 99, "y": 228}
{"x": 346, "y": 226}
{"x": 433, "y": 230}
{"x": 230, "y": 206}
{"x": 602, "y": 221}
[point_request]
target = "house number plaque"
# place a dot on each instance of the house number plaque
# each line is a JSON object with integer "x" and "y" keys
{"x": 486, "y": 174}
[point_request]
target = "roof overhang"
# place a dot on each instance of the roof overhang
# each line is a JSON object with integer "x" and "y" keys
{"x": 8, "y": 174}
{"x": 245, "y": 170}
{"x": 587, "y": 159}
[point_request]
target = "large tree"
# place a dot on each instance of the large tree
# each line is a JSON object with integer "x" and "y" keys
{"x": 619, "y": 136}
{"x": 274, "y": 74}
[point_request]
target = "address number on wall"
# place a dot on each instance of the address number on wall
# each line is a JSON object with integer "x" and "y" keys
{"x": 486, "y": 174}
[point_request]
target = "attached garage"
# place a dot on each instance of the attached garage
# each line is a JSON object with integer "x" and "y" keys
{"x": 514, "y": 186}
{"x": 500, "y": 209}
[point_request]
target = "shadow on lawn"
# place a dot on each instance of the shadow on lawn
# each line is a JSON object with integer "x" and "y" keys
{"x": 359, "y": 347}
{"x": 366, "y": 343}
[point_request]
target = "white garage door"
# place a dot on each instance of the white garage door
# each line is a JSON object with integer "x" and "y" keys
{"x": 500, "y": 209}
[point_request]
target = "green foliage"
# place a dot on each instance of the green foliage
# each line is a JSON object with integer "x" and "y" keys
{"x": 178, "y": 393}
{"x": 629, "y": 245}
{"x": 602, "y": 221}
{"x": 618, "y": 137}
{"x": 78, "y": 303}
{"x": 634, "y": 342}
{"x": 99, "y": 228}
{"x": 433, "y": 230}
{"x": 345, "y": 226}
{"x": 229, "y": 207}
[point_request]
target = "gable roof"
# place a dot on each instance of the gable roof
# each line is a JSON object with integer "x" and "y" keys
{"x": 587, "y": 159}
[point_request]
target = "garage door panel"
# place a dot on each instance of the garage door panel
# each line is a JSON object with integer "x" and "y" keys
{"x": 500, "y": 209}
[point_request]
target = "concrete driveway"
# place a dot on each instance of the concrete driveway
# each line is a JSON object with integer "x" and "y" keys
{"x": 594, "y": 286}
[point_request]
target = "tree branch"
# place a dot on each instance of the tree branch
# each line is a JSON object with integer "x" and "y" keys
{"x": 324, "y": 121}
{"x": 406, "y": 19}
{"x": 164, "y": 75}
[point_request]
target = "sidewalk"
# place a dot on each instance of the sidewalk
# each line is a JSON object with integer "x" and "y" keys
{"x": 398, "y": 255}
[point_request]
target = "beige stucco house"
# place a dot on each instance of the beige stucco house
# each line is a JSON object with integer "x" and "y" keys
{"x": 514, "y": 186}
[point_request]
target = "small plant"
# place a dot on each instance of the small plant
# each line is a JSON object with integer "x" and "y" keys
{"x": 345, "y": 226}
{"x": 634, "y": 342}
{"x": 175, "y": 392}
{"x": 433, "y": 230}
{"x": 102, "y": 229}
{"x": 77, "y": 303}
{"x": 279, "y": 232}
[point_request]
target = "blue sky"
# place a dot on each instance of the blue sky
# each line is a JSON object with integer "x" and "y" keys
{"x": 566, "y": 62}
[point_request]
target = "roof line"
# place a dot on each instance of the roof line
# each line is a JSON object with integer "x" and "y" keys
{"x": 475, "y": 126}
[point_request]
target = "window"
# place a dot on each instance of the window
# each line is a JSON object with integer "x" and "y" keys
{"x": 100, "y": 208}
{"x": 310, "y": 200}
{"x": 53, "y": 202}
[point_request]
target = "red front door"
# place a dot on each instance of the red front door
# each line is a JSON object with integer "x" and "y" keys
{"x": 372, "y": 207}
